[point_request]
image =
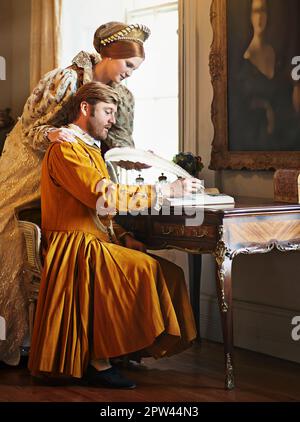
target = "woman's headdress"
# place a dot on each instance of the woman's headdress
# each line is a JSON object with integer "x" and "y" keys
{"x": 117, "y": 31}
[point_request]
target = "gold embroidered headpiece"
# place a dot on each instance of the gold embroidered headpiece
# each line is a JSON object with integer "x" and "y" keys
{"x": 117, "y": 31}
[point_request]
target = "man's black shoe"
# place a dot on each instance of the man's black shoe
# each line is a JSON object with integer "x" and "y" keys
{"x": 110, "y": 378}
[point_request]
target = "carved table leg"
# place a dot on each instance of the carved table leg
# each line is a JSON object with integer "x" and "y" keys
{"x": 224, "y": 291}
{"x": 195, "y": 264}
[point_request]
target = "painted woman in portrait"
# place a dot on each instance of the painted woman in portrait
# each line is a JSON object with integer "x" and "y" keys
{"x": 262, "y": 102}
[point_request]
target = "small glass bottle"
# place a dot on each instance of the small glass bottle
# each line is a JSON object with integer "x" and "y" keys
{"x": 162, "y": 178}
{"x": 139, "y": 180}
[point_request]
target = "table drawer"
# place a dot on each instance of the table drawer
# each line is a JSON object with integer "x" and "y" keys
{"x": 173, "y": 230}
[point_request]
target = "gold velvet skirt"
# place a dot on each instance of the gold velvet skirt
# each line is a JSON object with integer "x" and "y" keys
{"x": 101, "y": 300}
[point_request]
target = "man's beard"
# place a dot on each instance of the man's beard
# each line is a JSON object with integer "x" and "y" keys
{"x": 93, "y": 132}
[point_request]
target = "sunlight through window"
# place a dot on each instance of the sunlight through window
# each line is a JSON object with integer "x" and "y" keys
{"x": 155, "y": 84}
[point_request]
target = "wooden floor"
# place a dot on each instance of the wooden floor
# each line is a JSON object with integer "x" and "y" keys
{"x": 194, "y": 376}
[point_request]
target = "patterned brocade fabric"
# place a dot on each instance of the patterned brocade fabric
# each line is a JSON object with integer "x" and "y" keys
{"x": 20, "y": 168}
{"x": 121, "y": 135}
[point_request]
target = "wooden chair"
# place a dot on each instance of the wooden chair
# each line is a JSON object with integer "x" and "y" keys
{"x": 29, "y": 221}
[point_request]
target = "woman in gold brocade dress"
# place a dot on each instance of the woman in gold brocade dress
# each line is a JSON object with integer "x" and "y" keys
{"x": 121, "y": 51}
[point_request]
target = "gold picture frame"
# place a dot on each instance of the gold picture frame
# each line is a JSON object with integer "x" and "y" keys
{"x": 222, "y": 155}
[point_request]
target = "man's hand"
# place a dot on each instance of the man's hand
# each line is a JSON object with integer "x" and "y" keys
{"x": 182, "y": 187}
{"x": 131, "y": 243}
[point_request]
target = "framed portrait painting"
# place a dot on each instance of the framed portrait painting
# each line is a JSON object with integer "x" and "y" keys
{"x": 255, "y": 73}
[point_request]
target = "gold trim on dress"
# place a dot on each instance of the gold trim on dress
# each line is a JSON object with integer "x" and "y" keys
{"x": 134, "y": 32}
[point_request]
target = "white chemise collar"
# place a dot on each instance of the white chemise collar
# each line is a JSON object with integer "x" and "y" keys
{"x": 84, "y": 136}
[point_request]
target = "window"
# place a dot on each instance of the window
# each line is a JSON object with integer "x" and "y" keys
{"x": 80, "y": 19}
{"x": 155, "y": 84}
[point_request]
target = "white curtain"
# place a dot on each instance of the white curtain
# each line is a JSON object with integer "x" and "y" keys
{"x": 189, "y": 18}
{"x": 45, "y": 38}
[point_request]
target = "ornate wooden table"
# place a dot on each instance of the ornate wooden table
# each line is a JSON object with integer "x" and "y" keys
{"x": 252, "y": 226}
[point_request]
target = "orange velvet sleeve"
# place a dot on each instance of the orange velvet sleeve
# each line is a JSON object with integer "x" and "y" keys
{"x": 71, "y": 167}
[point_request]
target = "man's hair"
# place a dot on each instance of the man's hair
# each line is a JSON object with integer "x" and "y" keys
{"x": 92, "y": 93}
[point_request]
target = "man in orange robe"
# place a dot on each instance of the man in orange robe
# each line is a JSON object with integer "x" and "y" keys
{"x": 101, "y": 295}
